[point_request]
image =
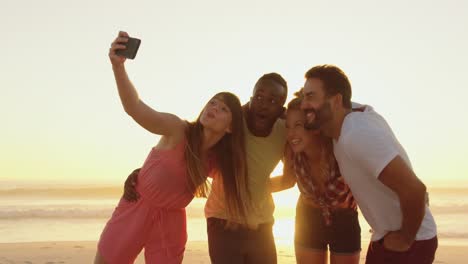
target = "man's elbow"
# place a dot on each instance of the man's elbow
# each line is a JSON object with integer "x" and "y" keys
{"x": 421, "y": 188}
{"x": 417, "y": 192}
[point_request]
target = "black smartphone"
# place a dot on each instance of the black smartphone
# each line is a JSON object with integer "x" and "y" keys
{"x": 131, "y": 48}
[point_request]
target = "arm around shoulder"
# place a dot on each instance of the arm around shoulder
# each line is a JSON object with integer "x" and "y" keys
{"x": 285, "y": 181}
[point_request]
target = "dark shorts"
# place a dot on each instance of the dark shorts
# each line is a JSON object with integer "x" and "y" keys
{"x": 240, "y": 246}
{"x": 421, "y": 252}
{"x": 343, "y": 236}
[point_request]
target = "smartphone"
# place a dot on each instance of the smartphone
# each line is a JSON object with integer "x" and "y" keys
{"x": 131, "y": 48}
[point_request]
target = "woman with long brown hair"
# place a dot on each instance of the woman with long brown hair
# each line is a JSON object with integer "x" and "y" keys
{"x": 326, "y": 213}
{"x": 174, "y": 172}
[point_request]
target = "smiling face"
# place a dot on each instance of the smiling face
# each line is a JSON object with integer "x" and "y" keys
{"x": 216, "y": 116}
{"x": 297, "y": 136}
{"x": 316, "y": 105}
{"x": 326, "y": 99}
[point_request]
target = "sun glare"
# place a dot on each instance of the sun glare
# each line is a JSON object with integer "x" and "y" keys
{"x": 285, "y": 211}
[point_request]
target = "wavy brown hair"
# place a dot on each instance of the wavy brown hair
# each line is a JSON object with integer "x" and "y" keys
{"x": 229, "y": 158}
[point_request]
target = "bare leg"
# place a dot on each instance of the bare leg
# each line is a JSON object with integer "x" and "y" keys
{"x": 312, "y": 256}
{"x": 345, "y": 259}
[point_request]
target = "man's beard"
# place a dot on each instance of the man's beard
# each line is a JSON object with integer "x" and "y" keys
{"x": 322, "y": 115}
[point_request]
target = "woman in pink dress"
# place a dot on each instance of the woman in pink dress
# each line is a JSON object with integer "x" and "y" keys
{"x": 174, "y": 172}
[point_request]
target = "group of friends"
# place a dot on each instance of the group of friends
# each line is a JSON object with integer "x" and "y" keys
{"x": 342, "y": 155}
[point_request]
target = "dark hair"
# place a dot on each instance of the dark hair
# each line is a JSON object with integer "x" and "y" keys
{"x": 275, "y": 78}
{"x": 229, "y": 158}
{"x": 334, "y": 81}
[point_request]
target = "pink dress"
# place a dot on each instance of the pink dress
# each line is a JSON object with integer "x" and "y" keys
{"x": 157, "y": 221}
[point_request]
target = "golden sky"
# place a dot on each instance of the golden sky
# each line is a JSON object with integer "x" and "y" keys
{"x": 62, "y": 120}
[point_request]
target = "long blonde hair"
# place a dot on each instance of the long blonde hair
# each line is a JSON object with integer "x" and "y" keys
{"x": 228, "y": 157}
{"x": 325, "y": 146}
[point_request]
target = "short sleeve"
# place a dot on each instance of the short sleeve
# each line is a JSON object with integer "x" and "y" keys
{"x": 370, "y": 148}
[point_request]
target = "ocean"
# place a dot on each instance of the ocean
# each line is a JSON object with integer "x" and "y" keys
{"x": 79, "y": 214}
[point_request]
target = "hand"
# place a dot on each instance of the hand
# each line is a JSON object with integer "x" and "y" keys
{"x": 130, "y": 193}
{"x": 115, "y": 59}
{"x": 349, "y": 202}
{"x": 397, "y": 241}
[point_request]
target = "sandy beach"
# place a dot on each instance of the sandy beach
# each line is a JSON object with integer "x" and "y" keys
{"x": 26, "y": 221}
{"x": 80, "y": 252}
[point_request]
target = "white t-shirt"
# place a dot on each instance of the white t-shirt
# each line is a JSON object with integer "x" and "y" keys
{"x": 365, "y": 147}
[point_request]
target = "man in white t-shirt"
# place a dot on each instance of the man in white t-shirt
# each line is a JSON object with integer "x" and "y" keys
{"x": 376, "y": 168}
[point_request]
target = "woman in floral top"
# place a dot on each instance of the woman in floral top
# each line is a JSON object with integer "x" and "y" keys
{"x": 326, "y": 213}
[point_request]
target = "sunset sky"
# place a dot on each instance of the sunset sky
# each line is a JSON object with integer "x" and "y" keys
{"x": 62, "y": 120}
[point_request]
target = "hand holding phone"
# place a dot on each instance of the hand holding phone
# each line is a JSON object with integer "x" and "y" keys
{"x": 131, "y": 48}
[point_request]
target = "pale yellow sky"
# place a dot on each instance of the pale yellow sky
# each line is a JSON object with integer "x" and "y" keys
{"x": 63, "y": 122}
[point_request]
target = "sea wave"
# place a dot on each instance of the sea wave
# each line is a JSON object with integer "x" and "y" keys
{"x": 89, "y": 192}
{"x": 450, "y": 209}
{"x": 74, "y": 211}
{"x": 453, "y": 235}
{"x": 99, "y": 201}
{"x": 60, "y": 213}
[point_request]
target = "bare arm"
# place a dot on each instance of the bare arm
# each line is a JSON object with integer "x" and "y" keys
{"x": 281, "y": 182}
{"x": 399, "y": 177}
{"x": 285, "y": 181}
{"x": 150, "y": 119}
